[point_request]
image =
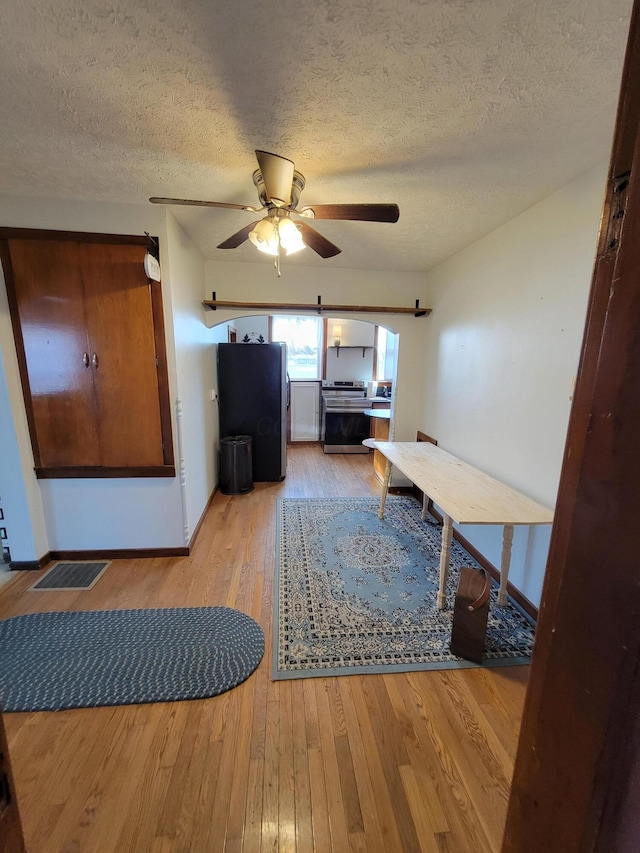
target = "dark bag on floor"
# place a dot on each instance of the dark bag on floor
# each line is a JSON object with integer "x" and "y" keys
{"x": 470, "y": 614}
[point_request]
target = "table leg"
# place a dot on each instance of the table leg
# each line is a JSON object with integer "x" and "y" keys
{"x": 507, "y": 539}
{"x": 385, "y": 489}
{"x": 445, "y": 552}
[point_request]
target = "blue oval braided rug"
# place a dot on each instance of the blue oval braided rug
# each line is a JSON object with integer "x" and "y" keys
{"x": 83, "y": 659}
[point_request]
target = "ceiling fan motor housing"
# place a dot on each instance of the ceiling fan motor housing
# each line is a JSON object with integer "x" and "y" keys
{"x": 297, "y": 186}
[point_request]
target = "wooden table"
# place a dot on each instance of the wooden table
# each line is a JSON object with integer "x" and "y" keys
{"x": 465, "y": 495}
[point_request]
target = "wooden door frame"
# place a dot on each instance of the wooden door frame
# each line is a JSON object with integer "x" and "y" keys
{"x": 579, "y": 751}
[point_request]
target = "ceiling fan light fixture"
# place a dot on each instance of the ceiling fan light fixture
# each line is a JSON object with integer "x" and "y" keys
{"x": 269, "y": 232}
{"x": 290, "y": 238}
{"x": 265, "y": 237}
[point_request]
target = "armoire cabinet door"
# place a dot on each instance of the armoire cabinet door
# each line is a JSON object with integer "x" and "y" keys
{"x": 123, "y": 357}
{"x": 48, "y": 285}
{"x": 90, "y": 341}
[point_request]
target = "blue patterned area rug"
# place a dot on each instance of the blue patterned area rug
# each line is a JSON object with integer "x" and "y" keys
{"x": 84, "y": 659}
{"x": 358, "y": 595}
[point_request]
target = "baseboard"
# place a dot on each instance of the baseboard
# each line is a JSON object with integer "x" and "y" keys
{"x": 120, "y": 553}
{"x": 29, "y": 565}
{"x": 513, "y": 591}
{"x": 523, "y": 602}
{"x": 201, "y": 519}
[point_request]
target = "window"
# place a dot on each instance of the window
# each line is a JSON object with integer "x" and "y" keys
{"x": 386, "y": 354}
{"x": 303, "y": 337}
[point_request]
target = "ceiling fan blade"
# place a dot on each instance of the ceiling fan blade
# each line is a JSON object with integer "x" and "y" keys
{"x": 362, "y": 212}
{"x": 277, "y": 174}
{"x": 156, "y": 200}
{"x": 238, "y": 238}
{"x": 314, "y": 240}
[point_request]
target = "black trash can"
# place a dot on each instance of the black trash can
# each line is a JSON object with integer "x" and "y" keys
{"x": 236, "y": 468}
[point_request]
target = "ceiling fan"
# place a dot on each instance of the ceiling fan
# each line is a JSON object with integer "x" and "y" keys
{"x": 279, "y": 186}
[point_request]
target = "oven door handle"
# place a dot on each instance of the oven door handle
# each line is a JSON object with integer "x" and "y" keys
{"x": 346, "y": 412}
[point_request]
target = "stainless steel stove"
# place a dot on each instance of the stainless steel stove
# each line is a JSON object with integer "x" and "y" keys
{"x": 344, "y": 424}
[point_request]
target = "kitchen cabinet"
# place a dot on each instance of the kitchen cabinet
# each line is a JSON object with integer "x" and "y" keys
{"x": 90, "y": 343}
{"x": 305, "y": 411}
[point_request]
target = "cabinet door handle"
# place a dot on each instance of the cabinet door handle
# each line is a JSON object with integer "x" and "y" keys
{"x": 85, "y": 359}
{"x": 94, "y": 360}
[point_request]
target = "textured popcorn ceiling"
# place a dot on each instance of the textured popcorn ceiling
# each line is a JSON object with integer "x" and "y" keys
{"x": 464, "y": 112}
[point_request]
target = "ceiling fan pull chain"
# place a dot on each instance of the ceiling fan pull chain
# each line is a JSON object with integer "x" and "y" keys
{"x": 276, "y": 261}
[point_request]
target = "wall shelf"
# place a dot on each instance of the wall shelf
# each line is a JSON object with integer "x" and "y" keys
{"x": 213, "y": 303}
{"x": 363, "y": 348}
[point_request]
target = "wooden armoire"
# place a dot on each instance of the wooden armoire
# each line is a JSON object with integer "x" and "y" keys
{"x": 89, "y": 334}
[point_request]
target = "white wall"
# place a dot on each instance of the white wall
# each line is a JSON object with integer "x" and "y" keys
{"x": 122, "y": 513}
{"x": 253, "y": 327}
{"x": 344, "y": 363}
{"x": 503, "y": 348}
{"x": 26, "y": 540}
{"x": 257, "y": 282}
{"x": 196, "y": 415}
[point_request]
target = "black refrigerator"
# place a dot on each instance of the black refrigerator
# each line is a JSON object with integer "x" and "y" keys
{"x": 253, "y": 395}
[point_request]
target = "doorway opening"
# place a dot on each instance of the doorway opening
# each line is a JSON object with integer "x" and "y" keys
{"x": 325, "y": 354}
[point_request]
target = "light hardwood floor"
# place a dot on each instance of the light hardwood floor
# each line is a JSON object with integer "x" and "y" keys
{"x": 402, "y": 762}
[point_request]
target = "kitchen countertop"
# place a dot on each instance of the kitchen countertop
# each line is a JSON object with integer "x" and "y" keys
{"x": 385, "y": 414}
{"x": 380, "y": 400}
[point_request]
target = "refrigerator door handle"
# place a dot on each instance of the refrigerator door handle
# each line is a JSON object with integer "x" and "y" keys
{"x": 288, "y": 391}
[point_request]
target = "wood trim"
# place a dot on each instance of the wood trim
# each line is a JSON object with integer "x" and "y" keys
{"x": 578, "y": 748}
{"x": 401, "y": 490}
{"x": 325, "y": 348}
{"x": 374, "y": 374}
{"x": 11, "y": 831}
{"x": 117, "y": 554}
{"x": 316, "y": 308}
{"x": 120, "y": 553}
{"x": 7, "y": 266}
{"x": 73, "y": 236}
{"x": 100, "y": 472}
{"x": 163, "y": 373}
{"x": 29, "y": 565}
